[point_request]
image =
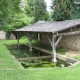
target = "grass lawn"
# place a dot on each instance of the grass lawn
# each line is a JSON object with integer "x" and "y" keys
{"x": 77, "y": 57}
{"x": 10, "y": 68}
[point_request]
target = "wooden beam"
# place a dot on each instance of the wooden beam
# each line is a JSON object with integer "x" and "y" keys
{"x": 68, "y": 33}
{"x": 53, "y": 49}
{"x": 49, "y": 39}
{"x": 58, "y": 41}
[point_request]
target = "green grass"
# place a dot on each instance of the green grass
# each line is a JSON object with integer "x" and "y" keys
{"x": 10, "y": 68}
{"x": 77, "y": 57}
{"x": 7, "y": 61}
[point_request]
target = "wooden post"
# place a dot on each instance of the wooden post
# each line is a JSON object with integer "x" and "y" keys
{"x": 30, "y": 45}
{"x": 18, "y": 41}
{"x": 53, "y": 49}
{"x": 38, "y": 36}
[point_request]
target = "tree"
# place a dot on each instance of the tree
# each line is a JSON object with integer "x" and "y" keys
{"x": 7, "y": 7}
{"x": 29, "y": 8}
{"x": 62, "y": 9}
{"x": 16, "y": 18}
{"x": 77, "y": 9}
{"x": 40, "y": 12}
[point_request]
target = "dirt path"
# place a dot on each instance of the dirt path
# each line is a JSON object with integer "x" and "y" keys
{"x": 72, "y": 53}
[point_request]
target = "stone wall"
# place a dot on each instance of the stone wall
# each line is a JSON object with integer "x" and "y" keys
{"x": 71, "y": 42}
{"x": 12, "y": 36}
{"x": 2, "y": 35}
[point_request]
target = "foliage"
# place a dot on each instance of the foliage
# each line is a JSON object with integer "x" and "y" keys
{"x": 13, "y": 17}
{"x": 76, "y": 15}
{"x": 62, "y": 9}
{"x": 38, "y": 64}
{"x": 7, "y": 7}
{"x": 29, "y": 8}
{"x": 77, "y": 11}
{"x": 18, "y": 20}
{"x": 40, "y": 12}
{"x": 76, "y": 0}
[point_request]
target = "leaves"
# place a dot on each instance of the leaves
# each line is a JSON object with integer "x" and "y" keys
{"x": 11, "y": 16}
{"x": 18, "y": 21}
{"x": 29, "y": 8}
{"x": 40, "y": 11}
{"x": 62, "y": 9}
{"x": 7, "y": 7}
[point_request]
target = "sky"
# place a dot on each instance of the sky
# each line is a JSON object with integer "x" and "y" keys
{"x": 48, "y": 4}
